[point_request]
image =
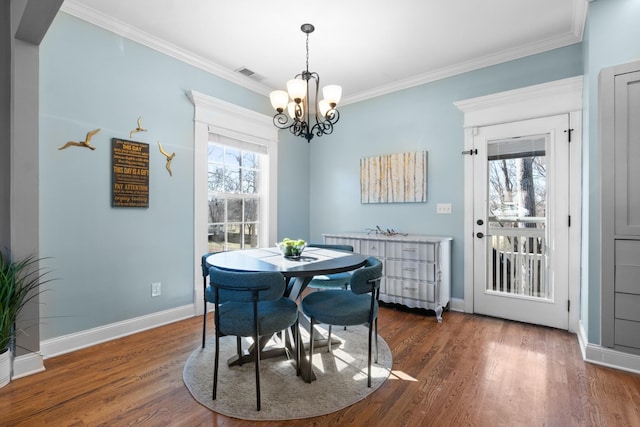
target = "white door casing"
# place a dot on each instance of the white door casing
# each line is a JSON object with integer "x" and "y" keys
{"x": 521, "y": 259}
{"x": 553, "y": 98}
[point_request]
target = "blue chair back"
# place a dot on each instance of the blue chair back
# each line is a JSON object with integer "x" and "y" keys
{"x": 362, "y": 279}
{"x": 237, "y": 286}
{"x": 205, "y": 265}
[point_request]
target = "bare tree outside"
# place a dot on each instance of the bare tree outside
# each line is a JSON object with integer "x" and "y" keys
{"x": 517, "y": 195}
{"x": 233, "y": 198}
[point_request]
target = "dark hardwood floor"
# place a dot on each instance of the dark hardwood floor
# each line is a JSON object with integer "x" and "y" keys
{"x": 467, "y": 371}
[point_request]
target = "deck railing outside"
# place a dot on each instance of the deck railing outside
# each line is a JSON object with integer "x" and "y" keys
{"x": 517, "y": 260}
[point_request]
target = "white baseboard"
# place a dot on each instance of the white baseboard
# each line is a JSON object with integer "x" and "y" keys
{"x": 456, "y": 304}
{"x": 604, "y": 356}
{"x": 27, "y": 364}
{"x": 34, "y": 362}
{"x": 76, "y": 341}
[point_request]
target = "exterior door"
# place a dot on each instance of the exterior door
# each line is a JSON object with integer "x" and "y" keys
{"x": 521, "y": 221}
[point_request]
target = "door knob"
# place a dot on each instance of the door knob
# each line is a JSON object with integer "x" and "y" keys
{"x": 480, "y": 235}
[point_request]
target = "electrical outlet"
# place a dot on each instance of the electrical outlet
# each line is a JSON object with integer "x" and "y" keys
{"x": 156, "y": 289}
{"x": 443, "y": 208}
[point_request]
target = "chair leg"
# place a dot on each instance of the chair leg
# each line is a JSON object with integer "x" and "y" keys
{"x": 204, "y": 323}
{"x": 298, "y": 343}
{"x": 346, "y": 288}
{"x": 239, "y": 350}
{"x": 215, "y": 365}
{"x": 255, "y": 339}
{"x": 376, "y": 325}
{"x": 329, "y": 340}
{"x": 310, "y": 350}
{"x": 369, "y": 357}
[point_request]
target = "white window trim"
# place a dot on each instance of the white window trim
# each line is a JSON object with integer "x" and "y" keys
{"x": 219, "y": 117}
{"x": 547, "y": 99}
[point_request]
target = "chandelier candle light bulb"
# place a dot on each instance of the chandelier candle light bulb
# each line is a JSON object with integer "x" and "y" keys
{"x": 296, "y": 100}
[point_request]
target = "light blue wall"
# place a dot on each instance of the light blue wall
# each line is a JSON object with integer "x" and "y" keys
{"x": 293, "y": 186}
{"x": 107, "y": 258}
{"x": 420, "y": 118}
{"x": 612, "y": 38}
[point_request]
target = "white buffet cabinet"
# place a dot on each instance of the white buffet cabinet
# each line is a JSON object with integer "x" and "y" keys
{"x": 416, "y": 269}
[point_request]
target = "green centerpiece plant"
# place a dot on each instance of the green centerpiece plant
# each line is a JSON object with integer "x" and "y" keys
{"x": 291, "y": 248}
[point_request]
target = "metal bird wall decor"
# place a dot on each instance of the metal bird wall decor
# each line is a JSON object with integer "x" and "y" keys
{"x": 168, "y": 156}
{"x": 86, "y": 143}
{"x": 138, "y": 129}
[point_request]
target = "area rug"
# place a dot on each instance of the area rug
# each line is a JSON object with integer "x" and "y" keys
{"x": 341, "y": 379}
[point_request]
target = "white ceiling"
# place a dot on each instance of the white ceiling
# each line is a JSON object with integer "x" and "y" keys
{"x": 369, "y": 47}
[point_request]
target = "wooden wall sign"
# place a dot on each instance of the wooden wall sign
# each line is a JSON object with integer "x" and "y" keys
{"x": 130, "y": 174}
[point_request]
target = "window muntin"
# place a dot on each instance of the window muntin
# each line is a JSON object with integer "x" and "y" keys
{"x": 234, "y": 196}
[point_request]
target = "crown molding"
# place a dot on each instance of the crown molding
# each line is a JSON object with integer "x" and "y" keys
{"x": 580, "y": 9}
{"x": 475, "y": 64}
{"x": 101, "y": 20}
{"x": 78, "y": 10}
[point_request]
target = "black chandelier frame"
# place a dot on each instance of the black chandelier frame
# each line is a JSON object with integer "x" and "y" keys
{"x": 299, "y": 124}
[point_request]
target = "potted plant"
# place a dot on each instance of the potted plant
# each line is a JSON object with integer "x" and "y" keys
{"x": 20, "y": 282}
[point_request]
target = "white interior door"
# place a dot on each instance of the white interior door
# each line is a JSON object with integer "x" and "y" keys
{"x": 521, "y": 221}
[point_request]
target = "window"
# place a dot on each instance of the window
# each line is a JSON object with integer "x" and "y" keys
{"x": 234, "y": 195}
{"x": 225, "y": 219}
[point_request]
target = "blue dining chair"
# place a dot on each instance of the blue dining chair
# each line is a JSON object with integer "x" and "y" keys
{"x": 331, "y": 281}
{"x": 355, "y": 306}
{"x": 251, "y": 304}
{"x": 207, "y": 292}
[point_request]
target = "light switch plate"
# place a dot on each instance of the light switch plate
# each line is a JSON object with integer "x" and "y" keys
{"x": 443, "y": 208}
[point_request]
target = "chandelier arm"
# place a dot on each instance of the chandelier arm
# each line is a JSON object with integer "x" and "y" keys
{"x": 281, "y": 121}
{"x": 333, "y": 116}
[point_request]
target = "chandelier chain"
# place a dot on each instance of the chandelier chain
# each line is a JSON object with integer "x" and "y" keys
{"x": 307, "y": 53}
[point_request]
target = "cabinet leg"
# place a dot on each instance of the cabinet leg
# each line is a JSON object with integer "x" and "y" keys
{"x": 439, "y": 313}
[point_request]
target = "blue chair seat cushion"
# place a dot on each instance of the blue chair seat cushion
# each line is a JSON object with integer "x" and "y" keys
{"x": 236, "y": 318}
{"x": 339, "y": 307}
{"x": 337, "y": 280}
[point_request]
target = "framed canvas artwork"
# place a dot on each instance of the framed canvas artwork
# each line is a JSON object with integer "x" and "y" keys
{"x": 394, "y": 178}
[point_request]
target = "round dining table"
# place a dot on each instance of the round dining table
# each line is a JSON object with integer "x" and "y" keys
{"x": 298, "y": 272}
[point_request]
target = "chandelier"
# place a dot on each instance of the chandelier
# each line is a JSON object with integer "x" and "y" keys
{"x": 296, "y": 101}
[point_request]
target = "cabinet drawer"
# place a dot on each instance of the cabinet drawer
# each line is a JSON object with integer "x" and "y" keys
{"x": 627, "y": 252}
{"x": 372, "y": 248}
{"x": 413, "y": 289}
{"x": 627, "y": 279}
{"x": 627, "y": 333}
{"x": 411, "y": 270}
{"x": 628, "y": 307}
{"x": 412, "y": 251}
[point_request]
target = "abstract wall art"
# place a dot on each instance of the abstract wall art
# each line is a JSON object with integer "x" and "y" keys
{"x": 394, "y": 178}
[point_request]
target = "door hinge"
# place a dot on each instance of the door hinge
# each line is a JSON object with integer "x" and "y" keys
{"x": 471, "y": 152}
{"x": 568, "y": 132}
{"x": 568, "y": 305}
{"x": 569, "y": 220}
